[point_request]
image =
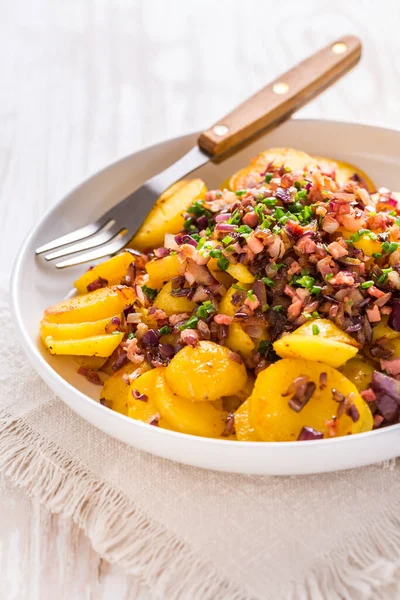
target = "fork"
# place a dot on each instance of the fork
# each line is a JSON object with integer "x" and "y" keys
{"x": 113, "y": 231}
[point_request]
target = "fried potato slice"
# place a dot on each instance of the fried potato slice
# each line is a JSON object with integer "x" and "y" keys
{"x": 343, "y": 171}
{"x": 116, "y": 392}
{"x": 100, "y": 304}
{"x": 172, "y": 305}
{"x": 99, "y": 345}
{"x": 205, "y": 372}
{"x": 245, "y": 432}
{"x": 112, "y": 270}
{"x": 274, "y": 420}
{"x": 161, "y": 270}
{"x": 195, "y": 418}
{"x": 166, "y": 215}
{"x": 71, "y": 331}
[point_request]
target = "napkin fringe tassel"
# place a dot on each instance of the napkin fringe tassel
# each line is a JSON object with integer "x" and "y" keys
{"x": 161, "y": 561}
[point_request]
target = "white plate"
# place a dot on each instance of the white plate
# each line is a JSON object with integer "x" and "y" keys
{"x": 36, "y": 285}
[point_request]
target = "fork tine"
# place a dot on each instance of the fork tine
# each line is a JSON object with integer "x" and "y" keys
{"x": 104, "y": 236}
{"x": 74, "y": 236}
{"x": 119, "y": 242}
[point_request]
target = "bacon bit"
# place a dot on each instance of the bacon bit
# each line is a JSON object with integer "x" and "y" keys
{"x": 294, "y": 268}
{"x": 294, "y": 229}
{"x": 378, "y": 420}
{"x": 133, "y": 353}
{"x": 331, "y": 425}
{"x": 386, "y": 310}
{"x": 157, "y": 314}
{"x": 337, "y": 250}
{"x": 294, "y": 309}
{"x": 305, "y": 245}
{"x": 190, "y": 337}
{"x": 255, "y": 244}
{"x": 391, "y": 366}
{"x": 250, "y": 219}
{"x": 222, "y": 319}
{"x": 373, "y": 291}
{"x": 188, "y": 251}
{"x": 308, "y": 433}
{"x": 289, "y": 291}
{"x": 229, "y": 426}
{"x": 277, "y": 248}
{"x": 154, "y": 420}
{"x": 302, "y": 294}
{"x": 353, "y": 223}
{"x": 368, "y": 395}
{"x": 252, "y": 302}
{"x": 97, "y": 284}
{"x": 119, "y": 362}
{"x": 90, "y": 375}
{"x": 323, "y": 380}
{"x": 373, "y": 314}
{"x": 342, "y": 278}
{"x": 235, "y": 357}
{"x": 141, "y": 329}
{"x": 138, "y": 396}
{"x": 201, "y": 294}
{"x": 325, "y": 266}
{"x": 329, "y": 224}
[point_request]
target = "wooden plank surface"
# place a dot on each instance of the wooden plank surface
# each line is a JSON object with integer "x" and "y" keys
{"x": 85, "y": 82}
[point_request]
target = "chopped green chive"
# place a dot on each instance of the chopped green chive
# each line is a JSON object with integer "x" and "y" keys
{"x": 315, "y": 329}
{"x": 390, "y": 247}
{"x": 367, "y": 284}
{"x": 130, "y": 336}
{"x": 269, "y": 201}
{"x": 262, "y": 348}
{"x": 165, "y": 330}
{"x": 268, "y": 177}
{"x": 223, "y": 263}
{"x": 216, "y": 253}
{"x": 278, "y": 308}
{"x": 149, "y": 292}
{"x": 329, "y": 276}
{"x": 268, "y": 281}
{"x": 190, "y": 323}
{"x": 205, "y": 310}
{"x": 316, "y": 290}
{"x": 377, "y": 254}
{"x": 244, "y": 230}
{"x": 236, "y": 286}
{"x": 227, "y": 240}
{"x": 240, "y": 192}
{"x": 301, "y": 195}
{"x": 235, "y": 218}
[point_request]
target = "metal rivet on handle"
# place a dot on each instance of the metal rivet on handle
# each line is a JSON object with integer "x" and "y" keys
{"x": 280, "y": 88}
{"x": 339, "y": 48}
{"x": 220, "y": 130}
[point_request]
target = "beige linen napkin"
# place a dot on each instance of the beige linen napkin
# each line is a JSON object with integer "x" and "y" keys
{"x": 187, "y": 533}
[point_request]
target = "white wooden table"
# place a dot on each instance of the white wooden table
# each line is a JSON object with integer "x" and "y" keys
{"x": 85, "y": 82}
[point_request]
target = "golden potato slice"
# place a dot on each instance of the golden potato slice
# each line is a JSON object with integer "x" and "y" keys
{"x": 116, "y": 391}
{"x": 254, "y": 173}
{"x": 166, "y": 215}
{"x": 368, "y": 246}
{"x": 172, "y": 305}
{"x": 344, "y": 171}
{"x": 183, "y": 415}
{"x": 112, "y": 270}
{"x": 99, "y": 345}
{"x": 245, "y": 432}
{"x": 90, "y": 362}
{"x": 238, "y": 340}
{"x": 205, "y": 372}
{"x": 359, "y": 372}
{"x": 73, "y": 331}
{"x": 226, "y": 307}
{"x": 232, "y": 403}
{"x": 146, "y": 408}
{"x": 326, "y": 329}
{"x": 100, "y": 304}
{"x": 161, "y": 270}
{"x": 382, "y": 329}
{"x": 274, "y": 420}
{"x": 314, "y": 348}
{"x": 241, "y": 273}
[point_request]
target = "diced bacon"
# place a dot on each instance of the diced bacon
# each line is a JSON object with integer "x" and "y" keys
{"x": 133, "y": 352}
{"x": 195, "y": 273}
{"x": 325, "y": 266}
{"x": 391, "y": 366}
{"x": 174, "y": 319}
{"x": 342, "y": 278}
{"x": 294, "y": 268}
{"x": 353, "y": 223}
{"x": 223, "y": 319}
{"x": 190, "y": 337}
{"x": 250, "y": 219}
{"x": 305, "y": 245}
{"x": 337, "y": 250}
{"x": 189, "y": 251}
{"x": 295, "y": 309}
{"x": 289, "y": 291}
{"x": 373, "y": 314}
{"x": 255, "y": 244}
{"x": 302, "y": 294}
{"x": 368, "y": 395}
{"x": 252, "y": 302}
{"x": 373, "y": 291}
{"x": 386, "y": 310}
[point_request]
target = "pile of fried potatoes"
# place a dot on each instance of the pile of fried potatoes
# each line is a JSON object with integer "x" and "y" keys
{"x": 203, "y": 385}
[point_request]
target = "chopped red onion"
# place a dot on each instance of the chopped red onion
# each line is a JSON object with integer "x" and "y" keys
{"x": 202, "y": 222}
{"x": 295, "y": 385}
{"x": 184, "y": 238}
{"x": 229, "y": 426}
{"x": 323, "y": 380}
{"x": 120, "y": 362}
{"x": 166, "y": 350}
{"x": 154, "y": 420}
{"x": 138, "y": 396}
{"x": 235, "y": 357}
{"x": 97, "y": 284}
{"x": 394, "y": 317}
{"x": 225, "y": 227}
{"x": 161, "y": 252}
{"x": 223, "y": 217}
{"x": 302, "y": 396}
{"x": 283, "y": 195}
{"x": 381, "y": 383}
{"x": 149, "y": 339}
{"x": 308, "y": 434}
{"x": 90, "y": 375}
{"x": 387, "y": 406}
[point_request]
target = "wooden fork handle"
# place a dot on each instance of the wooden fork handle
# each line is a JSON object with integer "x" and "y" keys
{"x": 282, "y": 97}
